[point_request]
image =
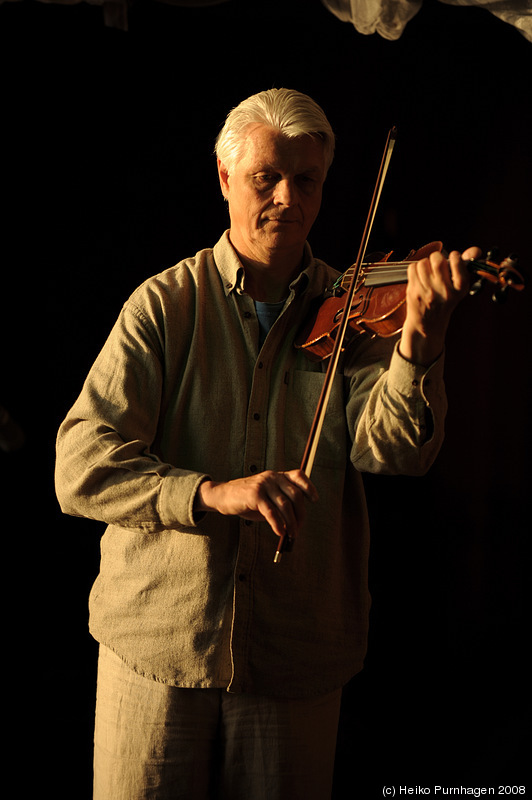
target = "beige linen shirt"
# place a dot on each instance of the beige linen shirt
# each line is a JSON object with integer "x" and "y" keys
{"x": 180, "y": 392}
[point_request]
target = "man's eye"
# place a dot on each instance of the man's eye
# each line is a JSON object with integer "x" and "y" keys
{"x": 265, "y": 178}
{"x": 307, "y": 184}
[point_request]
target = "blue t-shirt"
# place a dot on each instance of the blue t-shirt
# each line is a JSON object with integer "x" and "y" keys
{"x": 267, "y": 313}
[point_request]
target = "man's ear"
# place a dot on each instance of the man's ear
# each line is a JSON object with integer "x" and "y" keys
{"x": 223, "y": 174}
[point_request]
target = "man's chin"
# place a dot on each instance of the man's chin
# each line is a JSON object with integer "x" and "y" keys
{"x": 284, "y": 234}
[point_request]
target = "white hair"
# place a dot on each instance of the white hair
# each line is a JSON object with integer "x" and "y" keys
{"x": 290, "y": 112}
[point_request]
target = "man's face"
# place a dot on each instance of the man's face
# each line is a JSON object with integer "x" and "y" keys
{"x": 274, "y": 193}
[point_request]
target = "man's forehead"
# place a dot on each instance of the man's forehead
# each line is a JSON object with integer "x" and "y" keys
{"x": 268, "y": 147}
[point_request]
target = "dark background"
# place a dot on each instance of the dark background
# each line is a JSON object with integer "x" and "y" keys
{"x": 108, "y": 177}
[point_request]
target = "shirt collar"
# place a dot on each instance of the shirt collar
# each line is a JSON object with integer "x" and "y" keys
{"x": 232, "y": 271}
{"x": 228, "y": 263}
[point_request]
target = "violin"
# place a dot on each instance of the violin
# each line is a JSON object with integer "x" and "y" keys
{"x": 378, "y": 307}
{"x": 371, "y": 298}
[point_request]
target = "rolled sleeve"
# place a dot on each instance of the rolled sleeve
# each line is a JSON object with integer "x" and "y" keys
{"x": 176, "y": 499}
{"x": 401, "y": 428}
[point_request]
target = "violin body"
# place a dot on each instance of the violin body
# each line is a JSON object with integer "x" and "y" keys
{"x": 378, "y": 308}
{"x": 378, "y": 305}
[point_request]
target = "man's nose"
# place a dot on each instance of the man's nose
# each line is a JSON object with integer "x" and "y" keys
{"x": 284, "y": 192}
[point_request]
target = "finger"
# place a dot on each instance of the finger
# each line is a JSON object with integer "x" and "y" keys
{"x": 287, "y": 493}
{"x": 289, "y": 502}
{"x": 471, "y": 252}
{"x": 299, "y": 489}
{"x": 278, "y": 522}
{"x": 447, "y": 278}
{"x": 444, "y": 270}
{"x": 421, "y": 279}
{"x": 460, "y": 275}
{"x": 292, "y": 504}
{"x": 257, "y": 499}
{"x": 303, "y": 482}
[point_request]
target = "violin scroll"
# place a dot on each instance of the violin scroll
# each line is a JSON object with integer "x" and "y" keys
{"x": 502, "y": 274}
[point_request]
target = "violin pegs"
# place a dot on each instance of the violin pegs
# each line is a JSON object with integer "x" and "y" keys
{"x": 512, "y": 261}
{"x": 476, "y": 287}
{"x": 501, "y": 295}
{"x": 493, "y": 255}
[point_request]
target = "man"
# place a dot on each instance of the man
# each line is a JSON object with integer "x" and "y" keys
{"x": 220, "y": 672}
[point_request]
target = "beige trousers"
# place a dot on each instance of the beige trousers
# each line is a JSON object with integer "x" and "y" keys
{"x": 158, "y": 742}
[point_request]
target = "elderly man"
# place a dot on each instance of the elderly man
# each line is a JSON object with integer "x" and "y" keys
{"x": 220, "y": 672}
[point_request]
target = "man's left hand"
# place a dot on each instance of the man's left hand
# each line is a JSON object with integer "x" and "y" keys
{"x": 435, "y": 287}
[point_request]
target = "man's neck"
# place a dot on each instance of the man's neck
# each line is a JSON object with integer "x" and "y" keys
{"x": 269, "y": 278}
{"x": 265, "y": 286}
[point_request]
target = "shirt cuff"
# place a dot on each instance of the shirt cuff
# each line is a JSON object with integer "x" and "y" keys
{"x": 176, "y": 498}
{"x": 412, "y": 380}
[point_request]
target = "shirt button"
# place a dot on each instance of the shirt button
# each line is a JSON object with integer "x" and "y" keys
{"x": 247, "y": 314}
{"x": 415, "y": 383}
{"x": 241, "y": 577}
{"x": 260, "y": 365}
{"x": 256, "y": 416}
{"x": 253, "y": 468}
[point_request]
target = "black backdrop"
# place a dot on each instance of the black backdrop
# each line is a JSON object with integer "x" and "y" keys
{"x": 108, "y": 177}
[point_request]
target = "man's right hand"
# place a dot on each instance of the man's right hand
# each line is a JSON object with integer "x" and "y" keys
{"x": 277, "y": 498}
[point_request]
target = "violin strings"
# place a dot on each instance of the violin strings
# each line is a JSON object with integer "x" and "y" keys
{"x": 386, "y": 268}
{"x": 396, "y": 272}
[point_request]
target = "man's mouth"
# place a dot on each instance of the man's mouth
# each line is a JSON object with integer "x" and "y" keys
{"x": 282, "y": 220}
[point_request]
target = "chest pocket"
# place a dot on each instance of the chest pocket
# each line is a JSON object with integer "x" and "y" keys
{"x": 302, "y": 401}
